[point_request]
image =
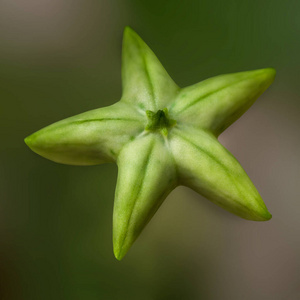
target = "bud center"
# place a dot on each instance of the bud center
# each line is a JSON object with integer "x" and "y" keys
{"x": 159, "y": 121}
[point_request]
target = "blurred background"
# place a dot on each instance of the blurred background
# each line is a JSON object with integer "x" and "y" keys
{"x": 60, "y": 58}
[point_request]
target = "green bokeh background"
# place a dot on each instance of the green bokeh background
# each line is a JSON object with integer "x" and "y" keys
{"x": 60, "y": 58}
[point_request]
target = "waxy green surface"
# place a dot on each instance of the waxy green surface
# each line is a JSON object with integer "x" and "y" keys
{"x": 161, "y": 136}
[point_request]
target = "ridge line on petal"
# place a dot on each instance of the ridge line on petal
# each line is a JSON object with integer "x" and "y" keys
{"x": 137, "y": 194}
{"x": 105, "y": 119}
{"x": 220, "y": 89}
{"x": 139, "y": 40}
{"x": 150, "y": 81}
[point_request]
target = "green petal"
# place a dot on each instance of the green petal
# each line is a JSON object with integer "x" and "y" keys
{"x": 90, "y": 138}
{"x": 208, "y": 168}
{"x": 217, "y": 102}
{"x": 145, "y": 81}
{"x": 146, "y": 176}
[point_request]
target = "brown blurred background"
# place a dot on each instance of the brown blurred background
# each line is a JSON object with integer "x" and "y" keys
{"x": 59, "y": 58}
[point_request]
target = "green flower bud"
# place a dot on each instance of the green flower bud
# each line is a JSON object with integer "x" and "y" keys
{"x": 161, "y": 136}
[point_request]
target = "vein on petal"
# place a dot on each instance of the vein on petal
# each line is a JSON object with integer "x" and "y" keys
{"x": 151, "y": 86}
{"x": 203, "y": 97}
{"x": 142, "y": 181}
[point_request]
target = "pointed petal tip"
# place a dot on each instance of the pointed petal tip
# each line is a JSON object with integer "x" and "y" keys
{"x": 119, "y": 252}
{"x": 262, "y": 216}
{"x": 264, "y": 77}
{"x": 267, "y": 74}
{"x": 267, "y": 216}
{"x": 129, "y": 31}
{"x": 32, "y": 142}
{"x": 118, "y": 256}
{"x": 28, "y": 141}
{"x": 121, "y": 242}
{"x": 130, "y": 36}
{"x": 270, "y": 73}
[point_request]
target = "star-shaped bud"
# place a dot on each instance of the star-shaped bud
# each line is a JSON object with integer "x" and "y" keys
{"x": 161, "y": 136}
